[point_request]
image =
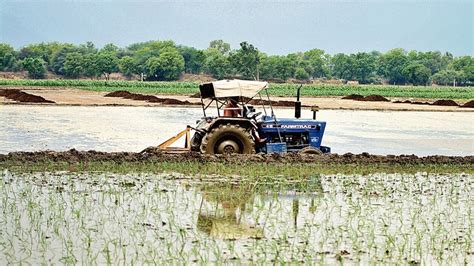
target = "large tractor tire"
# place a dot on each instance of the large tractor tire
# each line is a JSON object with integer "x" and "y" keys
{"x": 228, "y": 139}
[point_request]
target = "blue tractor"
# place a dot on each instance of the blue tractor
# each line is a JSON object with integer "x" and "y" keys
{"x": 236, "y": 127}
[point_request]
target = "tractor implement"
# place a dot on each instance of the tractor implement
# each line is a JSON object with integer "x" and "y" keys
{"x": 166, "y": 145}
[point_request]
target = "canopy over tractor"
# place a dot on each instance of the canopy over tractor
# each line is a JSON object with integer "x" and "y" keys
{"x": 231, "y": 88}
{"x": 239, "y": 128}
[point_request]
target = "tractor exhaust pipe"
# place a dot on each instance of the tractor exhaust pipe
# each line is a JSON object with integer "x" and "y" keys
{"x": 298, "y": 103}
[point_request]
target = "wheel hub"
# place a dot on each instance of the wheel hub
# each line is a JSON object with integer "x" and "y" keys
{"x": 228, "y": 147}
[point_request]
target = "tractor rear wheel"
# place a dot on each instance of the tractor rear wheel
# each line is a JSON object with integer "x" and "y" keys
{"x": 228, "y": 139}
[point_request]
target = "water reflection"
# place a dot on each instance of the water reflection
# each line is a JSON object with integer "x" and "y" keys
{"x": 226, "y": 211}
{"x": 222, "y": 212}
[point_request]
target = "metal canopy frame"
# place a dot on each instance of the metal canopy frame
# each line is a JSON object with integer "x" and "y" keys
{"x": 220, "y": 104}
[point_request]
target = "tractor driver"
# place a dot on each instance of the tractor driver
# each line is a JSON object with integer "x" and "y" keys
{"x": 232, "y": 108}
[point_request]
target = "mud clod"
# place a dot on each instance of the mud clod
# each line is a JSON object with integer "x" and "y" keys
{"x": 21, "y": 96}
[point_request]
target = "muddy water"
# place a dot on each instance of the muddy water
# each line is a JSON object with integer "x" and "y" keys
{"x": 32, "y": 128}
{"x": 66, "y": 218}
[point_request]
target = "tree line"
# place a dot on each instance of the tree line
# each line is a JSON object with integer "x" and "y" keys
{"x": 165, "y": 60}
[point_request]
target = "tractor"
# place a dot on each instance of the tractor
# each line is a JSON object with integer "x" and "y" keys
{"x": 236, "y": 127}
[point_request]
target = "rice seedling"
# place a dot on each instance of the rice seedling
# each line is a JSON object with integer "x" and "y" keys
{"x": 107, "y": 218}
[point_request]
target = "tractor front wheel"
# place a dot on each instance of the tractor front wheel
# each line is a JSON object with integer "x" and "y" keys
{"x": 228, "y": 139}
{"x": 310, "y": 150}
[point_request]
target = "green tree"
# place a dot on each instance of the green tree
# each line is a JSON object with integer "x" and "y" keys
{"x": 44, "y": 51}
{"x": 167, "y": 66}
{"x": 110, "y": 48}
{"x": 7, "y": 57}
{"x": 73, "y": 65}
{"x": 447, "y": 77}
{"x": 127, "y": 66}
{"x": 277, "y": 67}
{"x": 58, "y": 58}
{"x": 141, "y": 52}
{"x": 465, "y": 65}
{"x": 90, "y": 66}
{"x": 301, "y": 74}
{"x": 107, "y": 63}
{"x": 364, "y": 67}
{"x": 319, "y": 61}
{"x": 216, "y": 64}
{"x": 246, "y": 61}
{"x": 391, "y": 65}
{"x": 36, "y": 67}
{"x": 221, "y": 46}
{"x": 193, "y": 59}
{"x": 416, "y": 73}
{"x": 343, "y": 66}
{"x": 87, "y": 48}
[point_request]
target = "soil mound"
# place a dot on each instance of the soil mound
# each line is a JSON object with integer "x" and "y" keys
{"x": 196, "y": 95}
{"x": 469, "y": 104}
{"x": 21, "y": 96}
{"x": 152, "y": 154}
{"x": 353, "y": 97}
{"x": 146, "y": 98}
{"x": 406, "y": 101}
{"x": 445, "y": 103}
{"x": 123, "y": 94}
{"x": 174, "y": 101}
{"x": 421, "y": 103}
{"x": 374, "y": 98}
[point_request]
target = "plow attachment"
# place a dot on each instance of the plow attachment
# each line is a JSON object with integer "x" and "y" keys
{"x": 166, "y": 145}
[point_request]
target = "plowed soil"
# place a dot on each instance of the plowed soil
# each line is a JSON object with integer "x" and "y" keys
{"x": 148, "y": 98}
{"x": 153, "y": 155}
{"x": 469, "y": 104}
{"x": 378, "y": 98}
{"x": 353, "y": 97}
{"x": 445, "y": 103}
{"x": 374, "y": 98}
{"x": 21, "y": 96}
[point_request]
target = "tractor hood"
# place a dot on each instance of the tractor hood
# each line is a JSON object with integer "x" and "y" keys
{"x": 231, "y": 88}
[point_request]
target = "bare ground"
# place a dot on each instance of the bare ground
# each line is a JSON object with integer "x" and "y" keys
{"x": 70, "y": 96}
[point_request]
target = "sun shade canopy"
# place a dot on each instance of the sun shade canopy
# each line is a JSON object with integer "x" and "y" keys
{"x": 231, "y": 88}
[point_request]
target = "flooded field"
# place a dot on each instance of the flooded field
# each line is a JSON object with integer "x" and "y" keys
{"x": 33, "y": 128}
{"x": 102, "y": 218}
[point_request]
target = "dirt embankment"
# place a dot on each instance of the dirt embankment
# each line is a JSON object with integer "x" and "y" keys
{"x": 148, "y": 98}
{"x": 21, "y": 96}
{"x": 379, "y": 98}
{"x": 153, "y": 155}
